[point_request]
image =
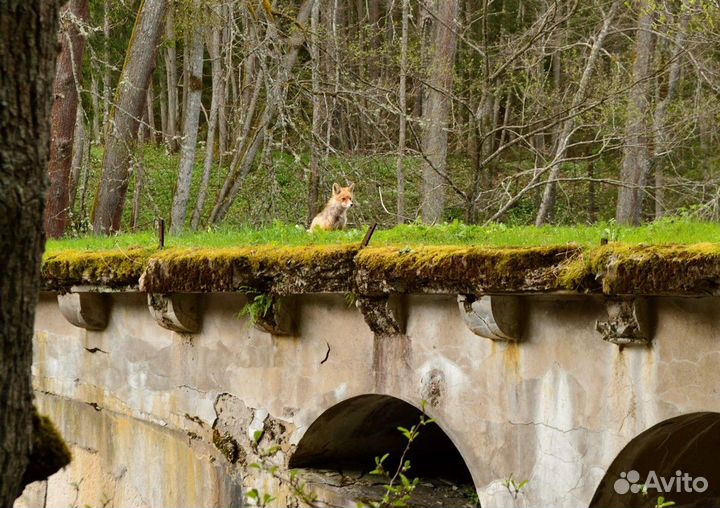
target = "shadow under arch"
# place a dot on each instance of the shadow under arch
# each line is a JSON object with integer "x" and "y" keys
{"x": 688, "y": 443}
{"x": 350, "y": 434}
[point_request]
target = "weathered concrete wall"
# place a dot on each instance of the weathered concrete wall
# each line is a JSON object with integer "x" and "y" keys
{"x": 554, "y": 408}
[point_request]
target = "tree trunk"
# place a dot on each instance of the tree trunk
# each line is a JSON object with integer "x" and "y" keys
{"x": 96, "y": 113}
{"x": 547, "y": 206}
{"x": 435, "y": 117}
{"x": 122, "y": 131}
{"x": 191, "y": 116}
{"x": 661, "y": 142}
{"x": 636, "y": 151}
{"x": 64, "y": 113}
{"x": 172, "y": 81}
{"x": 150, "y": 114}
{"x": 28, "y": 49}
{"x": 106, "y": 68}
{"x": 315, "y": 154}
{"x": 400, "y": 170}
{"x": 77, "y": 157}
{"x": 215, "y": 101}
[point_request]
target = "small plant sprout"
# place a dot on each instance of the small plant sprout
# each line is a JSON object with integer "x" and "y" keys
{"x": 258, "y": 306}
{"x": 513, "y": 487}
{"x": 662, "y": 503}
{"x": 399, "y": 487}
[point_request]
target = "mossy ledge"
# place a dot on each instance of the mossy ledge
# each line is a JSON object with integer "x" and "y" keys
{"x": 619, "y": 269}
{"x": 278, "y": 270}
{"x": 611, "y": 269}
{"x": 119, "y": 268}
{"x": 439, "y": 269}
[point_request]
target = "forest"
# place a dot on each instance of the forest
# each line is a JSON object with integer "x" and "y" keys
{"x": 210, "y": 113}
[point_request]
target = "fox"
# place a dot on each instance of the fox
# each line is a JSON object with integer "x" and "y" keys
{"x": 334, "y": 215}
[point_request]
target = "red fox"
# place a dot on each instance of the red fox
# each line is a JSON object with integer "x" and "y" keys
{"x": 334, "y": 215}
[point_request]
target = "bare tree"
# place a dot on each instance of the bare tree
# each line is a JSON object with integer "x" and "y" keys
{"x": 28, "y": 38}
{"x": 568, "y": 126}
{"x": 245, "y": 156}
{"x": 64, "y": 114}
{"x": 172, "y": 80}
{"x": 216, "y": 101}
{"x": 316, "y": 148}
{"x": 191, "y": 117}
{"x": 636, "y": 153}
{"x": 402, "y": 131}
{"x": 437, "y": 108}
{"x": 125, "y": 115}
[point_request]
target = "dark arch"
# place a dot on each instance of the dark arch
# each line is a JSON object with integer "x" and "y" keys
{"x": 688, "y": 443}
{"x": 352, "y": 433}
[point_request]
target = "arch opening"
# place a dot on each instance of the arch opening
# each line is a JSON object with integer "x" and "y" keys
{"x": 347, "y": 437}
{"x": 677, "y": 459}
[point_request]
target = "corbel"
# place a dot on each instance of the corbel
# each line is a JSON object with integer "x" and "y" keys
{"x": 179, "y": 312}
{"x": 85, "y": 310}
{"x": 491, "y": 316}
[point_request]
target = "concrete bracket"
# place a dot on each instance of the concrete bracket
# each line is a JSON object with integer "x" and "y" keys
{"x": 277, "y": 320}
{"x": 492, "y": 317}
{"x": 628, "y": 322}
{"x": 178, "y": 312}
{"x": 381, "y": 313}
{"x": 85, "y": 310}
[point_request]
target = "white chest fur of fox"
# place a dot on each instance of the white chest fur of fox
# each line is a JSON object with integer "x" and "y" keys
{"x": 334, "y": 215}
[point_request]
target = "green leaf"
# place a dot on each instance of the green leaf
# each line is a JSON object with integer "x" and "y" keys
{"x": 257, "y": 435}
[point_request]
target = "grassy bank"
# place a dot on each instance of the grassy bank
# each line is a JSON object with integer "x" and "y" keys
{"x": 669, "y": 231}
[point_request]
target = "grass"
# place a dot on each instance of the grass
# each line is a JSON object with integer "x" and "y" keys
{"x": 668, "y": 231}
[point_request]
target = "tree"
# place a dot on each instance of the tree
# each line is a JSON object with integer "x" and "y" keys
{"x": 436, "y": 108}
{"x": 636, "y": 152}
{"x": 191, "y": 118}
{"x": 125, "y": 116}
{"x": 64, "y": 114}
{"x": 28, "y": 49}
{"x": 568, "y": 126}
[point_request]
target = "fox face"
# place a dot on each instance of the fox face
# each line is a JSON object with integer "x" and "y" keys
{"x": 343, "y": 195}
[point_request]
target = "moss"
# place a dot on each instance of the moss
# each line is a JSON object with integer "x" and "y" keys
{"x": 465, "y": 269}
{"x": 645, "y": 269}
{"x": 49, "y": 452}
{"x": 262, "y": 268}
{"x": 616, "y": 268}
{"x": 227, "y": 446}
{"x": 114, "y": 268}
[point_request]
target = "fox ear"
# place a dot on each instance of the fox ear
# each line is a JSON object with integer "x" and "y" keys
{"x": 336, "y": 188}
{"x": 351, "y": 186}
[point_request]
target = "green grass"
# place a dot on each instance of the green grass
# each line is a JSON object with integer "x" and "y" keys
{"x": 668, "y": 231}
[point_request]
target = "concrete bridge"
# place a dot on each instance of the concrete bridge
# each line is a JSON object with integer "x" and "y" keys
{"x": 167, "y": 395}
